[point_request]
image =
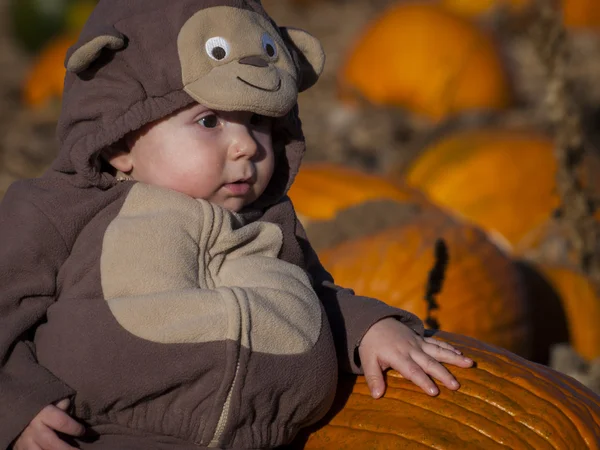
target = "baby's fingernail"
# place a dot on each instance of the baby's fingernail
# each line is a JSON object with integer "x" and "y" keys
{"x": 458, "y": 352}
{"x": 454, "y": 384}
{"x": 376, "y": 393}
{"x": 469, "y": 360}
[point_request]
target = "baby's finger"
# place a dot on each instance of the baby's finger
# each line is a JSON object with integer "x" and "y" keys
{"x": 433, "y": 368}
{"x": 414, "y": 372}
{"x": 374, "y": 377}
{"x": 58, "y": 420}
{"x": 442, "y": 344}
{"x": 445, "y": 355}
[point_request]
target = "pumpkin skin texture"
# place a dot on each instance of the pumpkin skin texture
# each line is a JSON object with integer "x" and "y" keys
{"x": 321, "y": 190}
{"x": 422, "y": 57}
{"x": 483, "y": 295}
{"x": 513, "y": 172}
{"x": 505, "y": 402}
{"x": 46, "y": 79}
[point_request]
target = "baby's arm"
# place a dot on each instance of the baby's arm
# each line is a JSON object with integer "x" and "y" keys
{"x": 350, "y": 315}
{"x": 388, "y": 337}
{"x": 31, "y": 251}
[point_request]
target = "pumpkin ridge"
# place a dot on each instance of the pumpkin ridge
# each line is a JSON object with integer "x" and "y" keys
{"x": 536, "y": 389}
{"x": 518, "y": 417}
{"x": 448, "y": 402}
{"x": 493, "y": 389}
{"x": 401, "y": 436}
{"x": 512, "y": 414}
{"x": 362, "y": 430}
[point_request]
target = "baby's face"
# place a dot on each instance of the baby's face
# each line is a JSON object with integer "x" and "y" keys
{"x": 224, "y": 157}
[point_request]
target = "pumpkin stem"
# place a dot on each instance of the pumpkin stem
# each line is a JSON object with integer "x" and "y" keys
{"x": 564, "y": 116}
{"x": 435, "y": 282}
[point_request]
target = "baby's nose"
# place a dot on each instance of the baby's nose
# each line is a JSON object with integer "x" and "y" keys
{"x": 244, "y": 146}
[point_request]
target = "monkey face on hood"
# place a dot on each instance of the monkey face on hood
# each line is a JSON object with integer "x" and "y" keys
{"x": 137, "y": 61}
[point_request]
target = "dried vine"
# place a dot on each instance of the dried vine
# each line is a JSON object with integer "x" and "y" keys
{"x": 435, "y": 282}
{"x": 563, "y": 113}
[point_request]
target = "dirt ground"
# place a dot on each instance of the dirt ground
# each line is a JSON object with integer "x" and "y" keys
{"x": 372, "y": 140}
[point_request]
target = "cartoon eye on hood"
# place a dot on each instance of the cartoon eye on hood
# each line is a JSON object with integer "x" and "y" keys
{"x": 248, "y": 63}
{"x": 269, "y": 46}
{"x": 226, "y": 54}
{"x": 218, "y": 48}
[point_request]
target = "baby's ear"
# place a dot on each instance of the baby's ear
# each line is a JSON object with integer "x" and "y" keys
{"x": 311, "y": 57}
{"x": 89, "y": 46}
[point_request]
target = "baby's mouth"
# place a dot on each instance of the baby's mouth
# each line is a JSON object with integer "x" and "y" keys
{"x": 241, "y": 187}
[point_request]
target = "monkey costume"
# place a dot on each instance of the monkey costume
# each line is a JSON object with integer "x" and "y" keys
{"x": 170, "y": 322}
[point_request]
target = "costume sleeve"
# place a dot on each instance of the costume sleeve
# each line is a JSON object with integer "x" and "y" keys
{"x": 350, "y": 315}
{"x": 31, "y": 252}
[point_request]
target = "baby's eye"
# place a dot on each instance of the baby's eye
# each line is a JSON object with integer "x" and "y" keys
{"x": 209, "y": 121}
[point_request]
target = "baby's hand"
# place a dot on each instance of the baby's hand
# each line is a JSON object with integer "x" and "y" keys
{"x": 40, "y": 434}
{"x": 391, "y": 344}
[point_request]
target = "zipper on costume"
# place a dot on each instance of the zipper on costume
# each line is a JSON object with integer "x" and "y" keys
{"x": 225, "y": 412}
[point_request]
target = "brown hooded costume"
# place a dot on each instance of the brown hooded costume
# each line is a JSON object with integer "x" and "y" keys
{"x": 170, "y": 322}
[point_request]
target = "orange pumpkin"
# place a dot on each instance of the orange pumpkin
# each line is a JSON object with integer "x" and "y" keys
{"x": 474, "y": 8}
{"x": 502, "y": 180}
{"x": 581, "y": 13}
{"x": 576, "y": 13}
{"x": 505, "y": 402}
{"x": 482, "y": 296}
{"x": 321, "y": 190}
{"x": 419, "y": 56}
{"x": 45, "y": 80}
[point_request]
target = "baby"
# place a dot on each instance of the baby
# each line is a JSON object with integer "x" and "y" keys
{"x": 158, "y": 290}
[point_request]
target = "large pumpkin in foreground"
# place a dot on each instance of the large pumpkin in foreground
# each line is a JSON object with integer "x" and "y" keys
{"x": 483, "y": 295}
{"x": 419, "y": 56}
{"x": 505, "y": 402}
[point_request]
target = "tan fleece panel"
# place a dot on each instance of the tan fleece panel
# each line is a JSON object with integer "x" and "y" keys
{"x": 87, "y": 54}
{"x": 179, "y": 270}
{"x": 228, "y": 84}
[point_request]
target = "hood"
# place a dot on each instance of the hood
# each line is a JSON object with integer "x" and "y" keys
{"x": 137, "y": 61}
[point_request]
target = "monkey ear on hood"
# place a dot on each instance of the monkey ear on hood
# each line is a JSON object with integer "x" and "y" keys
{"x": 88, "y": 48}
{"x": 309, "y": 52}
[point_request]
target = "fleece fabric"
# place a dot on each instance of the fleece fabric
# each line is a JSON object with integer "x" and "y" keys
{"x": 170, "y": 322}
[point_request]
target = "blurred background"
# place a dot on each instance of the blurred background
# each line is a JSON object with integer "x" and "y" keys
{"x": 472, "y": 121}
